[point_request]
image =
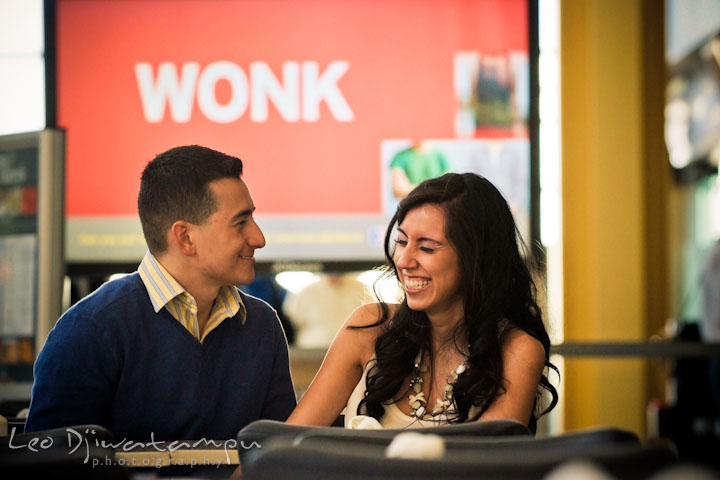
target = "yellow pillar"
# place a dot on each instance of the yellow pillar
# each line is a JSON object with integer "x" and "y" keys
{"x": 606, "y": 143}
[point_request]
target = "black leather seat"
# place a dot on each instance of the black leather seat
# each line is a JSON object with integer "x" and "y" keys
{"x": 570, "y": 442}
{"x": 257, "y": 433}
{"x": 328, "y": 458}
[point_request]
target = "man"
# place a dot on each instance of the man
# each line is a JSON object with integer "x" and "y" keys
{"x": 173, "y": 351}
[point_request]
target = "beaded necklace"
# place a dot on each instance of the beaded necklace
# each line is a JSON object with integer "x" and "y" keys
{"x": 417, "y": 400}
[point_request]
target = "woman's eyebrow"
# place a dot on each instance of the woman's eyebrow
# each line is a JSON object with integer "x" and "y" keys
{"x": 428, "y": 239}
{"x": 422, "y": 239}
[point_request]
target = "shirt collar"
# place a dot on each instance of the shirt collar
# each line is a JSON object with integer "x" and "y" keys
{"x": 162, "y": 288}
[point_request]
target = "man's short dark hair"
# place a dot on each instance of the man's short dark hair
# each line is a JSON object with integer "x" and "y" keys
{"x": 175, "y": 185}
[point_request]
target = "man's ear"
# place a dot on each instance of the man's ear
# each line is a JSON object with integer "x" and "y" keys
{"x": 180, "y": 235}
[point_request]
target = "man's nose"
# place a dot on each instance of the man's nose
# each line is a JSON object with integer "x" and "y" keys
{"x": 256, "y": 238}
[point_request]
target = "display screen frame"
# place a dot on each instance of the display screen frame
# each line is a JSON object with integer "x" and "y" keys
{"x": 351, "y": 236}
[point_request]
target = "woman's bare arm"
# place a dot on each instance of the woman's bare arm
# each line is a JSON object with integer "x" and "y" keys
{"x": 340, "y": 371}
{"x": 523, "y": 362}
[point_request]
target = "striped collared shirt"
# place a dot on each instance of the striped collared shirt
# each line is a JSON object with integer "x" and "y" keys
{"x": 165, "y": 291}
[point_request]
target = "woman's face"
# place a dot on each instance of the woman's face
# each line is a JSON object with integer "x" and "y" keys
{"x": 428, "y": 265}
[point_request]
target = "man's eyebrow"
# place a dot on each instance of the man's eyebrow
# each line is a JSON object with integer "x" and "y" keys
{"x": 244, "y": 213}
{"x": 421, "y": 239}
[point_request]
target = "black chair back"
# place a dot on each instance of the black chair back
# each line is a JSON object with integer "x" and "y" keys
{"x": 571, "y": 442}
{"x": 257, "y": 433}
{"x": 325, "y": 458}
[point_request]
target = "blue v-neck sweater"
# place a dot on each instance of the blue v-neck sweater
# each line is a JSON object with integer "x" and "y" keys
{"x": 112, "y": 361}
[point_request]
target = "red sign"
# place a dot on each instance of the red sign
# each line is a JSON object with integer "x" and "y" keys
{"x": 303, "y": 91}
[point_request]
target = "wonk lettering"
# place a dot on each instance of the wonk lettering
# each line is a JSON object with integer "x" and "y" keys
{"x": 297, "y": 97}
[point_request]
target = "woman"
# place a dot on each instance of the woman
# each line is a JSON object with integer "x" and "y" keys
{"x": 467, "y": 343}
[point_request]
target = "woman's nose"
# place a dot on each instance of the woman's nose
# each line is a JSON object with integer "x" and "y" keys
{"x": 404, "y": 258}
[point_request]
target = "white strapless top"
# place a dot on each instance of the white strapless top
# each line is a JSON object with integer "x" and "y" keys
{"x": 393, "y": 417}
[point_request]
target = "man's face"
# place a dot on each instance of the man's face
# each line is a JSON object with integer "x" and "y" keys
{"x": 226, "y": 242}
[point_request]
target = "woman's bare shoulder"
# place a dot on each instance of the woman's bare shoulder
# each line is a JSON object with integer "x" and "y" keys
{"x": 368, "y": 314}
{"x": 362, "y": 327}
{"x": 519, "y": 345}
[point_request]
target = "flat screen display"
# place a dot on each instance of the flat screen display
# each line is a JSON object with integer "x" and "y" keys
{"x": 329, "y": 104}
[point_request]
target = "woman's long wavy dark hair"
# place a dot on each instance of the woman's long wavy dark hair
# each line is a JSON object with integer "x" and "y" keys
{"x": 497, "y": 287}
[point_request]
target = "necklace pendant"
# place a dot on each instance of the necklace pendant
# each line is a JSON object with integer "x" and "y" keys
{"x": 439, "y": 408}
{"x": 417, "y": 409}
